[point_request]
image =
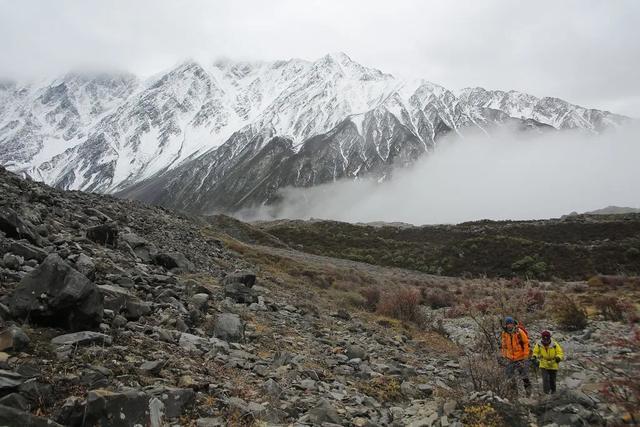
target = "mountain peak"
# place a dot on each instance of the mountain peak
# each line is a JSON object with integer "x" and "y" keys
{"x": 340, "y": 57}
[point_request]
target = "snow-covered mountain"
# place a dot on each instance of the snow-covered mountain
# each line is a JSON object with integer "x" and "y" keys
{"x": 221, "y": 136}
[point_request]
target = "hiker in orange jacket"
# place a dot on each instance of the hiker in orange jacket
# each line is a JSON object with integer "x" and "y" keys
{"x": 514, "y": 347}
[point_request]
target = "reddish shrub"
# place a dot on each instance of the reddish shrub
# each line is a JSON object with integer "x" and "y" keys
{"x": 371, "y": 298}
{"x": 402, "y": 304}
{"x": 613, "y": 281}
{"x": 437, "y": 298}
{"x": 616, "y": 309}
{"x": 622, "y": 387}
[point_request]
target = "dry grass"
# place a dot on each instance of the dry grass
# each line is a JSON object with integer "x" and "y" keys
{"x": 385, "y": 389}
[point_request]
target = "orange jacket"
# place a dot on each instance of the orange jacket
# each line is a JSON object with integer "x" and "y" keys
{"x": 514, "y": 346}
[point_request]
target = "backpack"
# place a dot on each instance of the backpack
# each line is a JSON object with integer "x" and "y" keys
{"x": 521, "y": 327}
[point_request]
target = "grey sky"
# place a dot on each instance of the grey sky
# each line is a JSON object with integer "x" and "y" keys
{"x": 587, "y": 52}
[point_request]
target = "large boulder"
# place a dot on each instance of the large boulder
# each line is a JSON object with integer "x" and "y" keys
{"x": 174, "y": 399}
{"x": 13, "y": 338}
{"x": 85, "y": 265}
{"x": 104, "y": 234}
{"x": 240, "y": 293}
{"x": 246, "y": 277}
{"x": 57, "y": 294}
{"x": 174, "y": 260}
{"x": 229, "y": 327}
{"x": 141, "y": 248}
{"x": 125, "y": 409}
{"x": 13, "y": 417}
{"x": 16, "y": 227}
{"x": 27, "y": 251}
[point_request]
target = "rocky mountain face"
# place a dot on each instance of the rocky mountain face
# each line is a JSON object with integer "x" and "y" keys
{"x": 188, "y": 137}
{"x": 116, "y": 313}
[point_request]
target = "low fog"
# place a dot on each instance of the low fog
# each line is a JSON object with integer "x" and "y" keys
{"x": 506, "y": 176}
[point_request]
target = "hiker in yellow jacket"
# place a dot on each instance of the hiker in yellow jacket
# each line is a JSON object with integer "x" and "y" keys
{"x": 547, "y": 354}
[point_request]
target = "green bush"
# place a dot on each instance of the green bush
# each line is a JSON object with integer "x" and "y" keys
{"x": 530, "y": 267}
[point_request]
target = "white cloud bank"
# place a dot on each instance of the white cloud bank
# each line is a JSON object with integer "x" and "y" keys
{"x": 506, "y": 176}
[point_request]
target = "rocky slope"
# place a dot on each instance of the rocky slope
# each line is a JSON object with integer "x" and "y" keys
{"x": 229, "y": 134}
{"x": 116, "y": 313}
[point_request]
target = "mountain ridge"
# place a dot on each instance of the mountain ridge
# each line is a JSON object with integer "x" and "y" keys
{"x": 112, "y": 132}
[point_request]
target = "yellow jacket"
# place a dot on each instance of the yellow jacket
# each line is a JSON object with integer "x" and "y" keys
{"x": 547, "y": 355}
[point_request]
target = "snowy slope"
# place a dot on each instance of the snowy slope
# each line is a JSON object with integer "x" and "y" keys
{"x": 107, "y": 132}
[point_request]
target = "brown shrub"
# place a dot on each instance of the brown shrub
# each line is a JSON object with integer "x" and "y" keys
{"x": 371, "y": 297}
{"x": 616, "y": 309}
{"x": 595, "y": 282}
{"x": 438, "y": 298}
{"x": 613, "y": 281}
{"x": 534, "y": 299}
{"x": 609, "y": 307}
{"x": 569, "y": 315}
{"x": 351, "y": 299}
{"x": 483, "y": 370}
{"x": 402, "y": 304}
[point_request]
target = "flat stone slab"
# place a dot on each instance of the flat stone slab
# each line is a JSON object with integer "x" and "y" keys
{"x": 82, "y": 338}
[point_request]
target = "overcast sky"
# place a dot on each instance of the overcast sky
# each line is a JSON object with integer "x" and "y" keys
{"x": 586, "y": 52}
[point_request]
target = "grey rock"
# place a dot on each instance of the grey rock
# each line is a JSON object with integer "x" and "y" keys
{"x": 123, "y": 409}
{"x": 85, "y": 265}
{"x": 135, "y": 309}
{"x": 408, "y": 389}
{"x": 174, "y": 399}
{"x": 324, "y": 412}
{"x": 36, "y": 391}
{"x": 152, "y": 366}
{"x": 246, "y": 277}
{"x": 115, "y": 297}
{"x": 57, "y": 294}
{"x": 95, "y": 377}
{"x": 140, "y": 247}
{"x": 200, "y": 301}
{"x": 9, "y": 380}
{"x": 449, "y": 406}
{"x": 272, "y": 388}
{"x": 119, "y": 322}
{"x": 156, "y": 412}
{"x": 193, "y": 343}
{"x": 27, "y": 251}
{"x": 229, "y": 327}
{"x": 12, "y": 261}
{"x": 356, "y": 352}
{"x": 342, "y": 314}
{"x": 16, "y": 227}
{"x": 82, "y": 338}
{"x": 15, "y": 400}
{"x": 104, "y": 234}
{"x": 13, "y": 417}
{"x": 13, "y": 338}
{"x": 174, "y": 260}
{"x": 240, "y": 293}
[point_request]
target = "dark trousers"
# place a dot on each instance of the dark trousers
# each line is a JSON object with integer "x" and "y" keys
{"x": 549, "y": 380}
{"x": 519, "y": 369}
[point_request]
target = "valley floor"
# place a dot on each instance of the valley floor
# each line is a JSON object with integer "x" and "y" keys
{"x": 195, "y": 327}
